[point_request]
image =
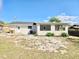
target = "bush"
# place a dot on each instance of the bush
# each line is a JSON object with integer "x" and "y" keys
{"x": 64, "y": 34}
{"x": 49, "y": 34}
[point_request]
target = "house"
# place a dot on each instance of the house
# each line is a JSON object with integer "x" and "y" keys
{"x": 1, "y": 26}
{"x": 39, "y": 28}
{"x": 56, "y": 28}
{"x": 21, "y": 27}
{"x": 74, "y": 30}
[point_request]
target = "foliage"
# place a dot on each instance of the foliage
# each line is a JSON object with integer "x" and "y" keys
{"x": 64, "y": 34}
{"x": 54, "y": 19}
{"x": 49, "y": 34}
{"x": 1, "y": 22}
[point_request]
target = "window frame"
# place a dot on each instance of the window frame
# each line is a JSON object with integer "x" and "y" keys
{"x": 45, "y": 27}
{"x": 29, "y": 27}
{"x": 59, "y": 28}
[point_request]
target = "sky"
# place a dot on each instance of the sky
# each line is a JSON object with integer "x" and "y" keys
{"x": 38, "y": 10}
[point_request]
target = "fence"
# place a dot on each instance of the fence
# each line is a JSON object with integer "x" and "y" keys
{"x": 73, "y": 32}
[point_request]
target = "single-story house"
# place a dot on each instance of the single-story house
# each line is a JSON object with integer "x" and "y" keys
{"x": 39, "y": 28}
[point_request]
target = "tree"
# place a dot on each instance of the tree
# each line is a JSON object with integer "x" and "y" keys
{"x": 54, "y": 19}
{"x": 1, "y": 22}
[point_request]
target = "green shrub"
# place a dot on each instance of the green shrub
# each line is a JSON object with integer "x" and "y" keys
{"x": 49, "y": 34}
{"x": 64, "y": 34}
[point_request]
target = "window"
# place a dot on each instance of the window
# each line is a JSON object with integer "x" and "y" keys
{"x": 18, "y": 27}
{"x": 59, "y": 27}
{"x": 45, "y": 27}
{"x": 29, "y": 27}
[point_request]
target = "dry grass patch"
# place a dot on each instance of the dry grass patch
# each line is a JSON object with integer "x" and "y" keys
{"x": 9, "y": 50}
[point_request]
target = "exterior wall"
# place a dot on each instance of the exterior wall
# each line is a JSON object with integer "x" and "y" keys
{"x": 23, "y": 28}
{"x": 44, "y": 32}
{"x": 5, "y": 29}
{"x": 52, "y": 30}
{"x": 34, "y": 28}
{"x": 59, "y": 32}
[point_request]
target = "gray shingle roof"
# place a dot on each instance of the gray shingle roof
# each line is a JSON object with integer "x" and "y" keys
{"x": 21, "y": 23}
{"x": 39, "y": 23}
{"x": 54, "y": 23}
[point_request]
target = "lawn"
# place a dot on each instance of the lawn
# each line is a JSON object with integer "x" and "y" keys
{"x": 8, "y": 50}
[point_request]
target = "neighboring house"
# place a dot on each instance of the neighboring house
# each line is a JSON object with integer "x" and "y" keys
{"x": 1, "y": 26}
{"x": 74, "y": 30}
{"x": 6, "y": 28}
{"x": 39, "y": 28}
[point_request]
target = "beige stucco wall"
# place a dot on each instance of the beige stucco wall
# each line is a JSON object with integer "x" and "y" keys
{"x": 21, "y": 30}
{"x": 52, "y": 30}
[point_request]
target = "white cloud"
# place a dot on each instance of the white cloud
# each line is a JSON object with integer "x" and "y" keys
{"x": 69, "y": 19}
{"x": 66, "y": 19}
{"x": 45, "y": 20}
{"x": 48, "y": 17}
{"x": 1, "y": 4}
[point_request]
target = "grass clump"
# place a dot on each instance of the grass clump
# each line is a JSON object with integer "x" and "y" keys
{"x": 64, "y": 34}
{"x": 49, "y": 34}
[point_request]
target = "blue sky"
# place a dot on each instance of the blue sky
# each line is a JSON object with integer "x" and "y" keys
{"x": 36, "y": 10}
